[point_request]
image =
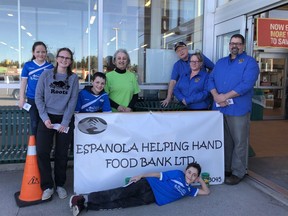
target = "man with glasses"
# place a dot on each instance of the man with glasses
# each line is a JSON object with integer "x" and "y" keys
{"x": 231, "y": 85}
{"x": 182, "y": 66}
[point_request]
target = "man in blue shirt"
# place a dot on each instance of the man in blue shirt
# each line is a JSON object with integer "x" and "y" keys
{"x": 182, "y": 66}
{"x": 162, "y": 188}
{"x": 231, "y": 85}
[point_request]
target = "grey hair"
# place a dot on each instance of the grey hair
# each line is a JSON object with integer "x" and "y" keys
{"x": 121, "y": 51}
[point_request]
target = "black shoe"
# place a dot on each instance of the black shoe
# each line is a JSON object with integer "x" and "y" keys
{"x": 76, "y": 200}
{"x": 232, "y": 180}
{"x": 228, "y": 173}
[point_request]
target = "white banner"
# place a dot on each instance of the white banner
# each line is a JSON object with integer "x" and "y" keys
{"x": 108, "y": 147}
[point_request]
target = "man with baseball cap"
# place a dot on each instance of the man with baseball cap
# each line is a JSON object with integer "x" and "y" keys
{"x": 182, "y": 66}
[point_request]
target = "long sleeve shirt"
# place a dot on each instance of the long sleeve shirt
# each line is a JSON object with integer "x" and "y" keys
{"x": 239, "y": 75}
{"x": 57, "y": 96}
{"x": 193, "y": 90}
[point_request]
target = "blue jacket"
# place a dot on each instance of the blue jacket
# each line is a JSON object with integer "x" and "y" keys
{"x": 194, "y": 90}
{"x": 239, "y": 75}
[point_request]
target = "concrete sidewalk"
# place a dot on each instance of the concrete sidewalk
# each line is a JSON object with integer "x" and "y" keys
{"x": 245, "y": 199}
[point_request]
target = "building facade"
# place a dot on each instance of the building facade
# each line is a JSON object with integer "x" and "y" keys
{"x": 147, "y": 29}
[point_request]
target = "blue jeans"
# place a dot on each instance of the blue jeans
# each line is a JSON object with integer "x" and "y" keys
{"x": 34, "y": 116}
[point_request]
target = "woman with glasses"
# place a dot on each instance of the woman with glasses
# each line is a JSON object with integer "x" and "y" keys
{"x": 56, "y": 98}
{"x": 191, "y": 88}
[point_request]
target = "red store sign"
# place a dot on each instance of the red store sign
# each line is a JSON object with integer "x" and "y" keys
{"x": 272, "y": 32}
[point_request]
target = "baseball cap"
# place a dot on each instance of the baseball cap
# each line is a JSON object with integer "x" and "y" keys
{"x": 179, "y": 44}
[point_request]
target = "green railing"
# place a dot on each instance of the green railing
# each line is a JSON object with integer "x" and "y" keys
{"x": 14, "y": 133}
{"x": 156, "y": 106}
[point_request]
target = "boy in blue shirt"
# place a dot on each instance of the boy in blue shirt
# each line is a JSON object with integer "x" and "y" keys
{"x": 94, "y": 98}
{"x": 160, "y": 188}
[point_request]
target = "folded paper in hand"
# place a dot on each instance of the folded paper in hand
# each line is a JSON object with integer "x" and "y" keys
{"x": 57, "y": 126}
{"x": 27, "y": 106}
{"x": 229, "y": 101}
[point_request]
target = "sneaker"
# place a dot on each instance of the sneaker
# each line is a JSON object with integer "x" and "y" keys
{"x": 61, "y": 192}
{"x": 47, "y": 193}
{"x": 76, "y": 200}
{"x": 77, "y": 209}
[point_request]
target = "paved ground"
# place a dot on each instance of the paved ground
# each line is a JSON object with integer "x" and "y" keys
{"x": 247, "y": 198}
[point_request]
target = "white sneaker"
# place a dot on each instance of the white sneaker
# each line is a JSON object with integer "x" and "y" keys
{"x": 62, "y": 193}
{"x": 47, "y": 193}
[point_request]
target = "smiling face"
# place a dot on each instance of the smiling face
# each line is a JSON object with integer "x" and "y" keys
{"x": 98, "y": 85}
{"x": 64, "y": 59}
{"x": 236, "y": 46}
{"x": 121, "y": 61}
{"x": 191, "y": 174}
{"x": 40, "y": 54}
{"x": 195, "y": 62}
{"x": 182, "y": 52}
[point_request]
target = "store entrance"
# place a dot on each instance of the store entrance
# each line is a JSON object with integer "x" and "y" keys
{"x": 272, "y": 83}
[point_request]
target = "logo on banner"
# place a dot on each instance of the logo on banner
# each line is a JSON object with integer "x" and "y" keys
{"x": 92, "y": 125}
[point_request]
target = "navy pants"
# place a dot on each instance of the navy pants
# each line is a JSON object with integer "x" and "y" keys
{"x": 44, "y": 144}
{"x": 135, "y": 194}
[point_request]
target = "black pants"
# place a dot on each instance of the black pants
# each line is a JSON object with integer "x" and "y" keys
{"x": 136, "y": 194}
{"x": 44, "y": 145}
{"x": 34, "y": 116}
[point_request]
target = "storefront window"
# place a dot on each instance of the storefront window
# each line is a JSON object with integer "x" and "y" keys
{"x": 147, "y": 29}
{"x": 64, "y": 24}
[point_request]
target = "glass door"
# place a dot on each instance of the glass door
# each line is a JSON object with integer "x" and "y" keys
{"x": 272, "y": 81}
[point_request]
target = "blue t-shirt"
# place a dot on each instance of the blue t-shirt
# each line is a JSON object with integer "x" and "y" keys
{"x": 32, "y": 71}
{"x": 171, "y": 186}
{"x": 89, "y": 102}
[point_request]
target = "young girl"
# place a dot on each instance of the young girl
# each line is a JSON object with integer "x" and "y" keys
{"x": 56, "y": 98}
{"x": 94, "y": 99}
{"x": 162, "y": 188}
{"x": 29, "y": 78}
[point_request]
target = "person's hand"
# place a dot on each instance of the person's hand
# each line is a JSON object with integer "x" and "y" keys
{"x": 121, "y": 108}
{"x": 135, "y": 178}
{"x": 219, "y": 98}
{"x": 48, "y": 124}
{"x": 62, "y": 129}
{"x": 124, "y": 109}
{"x": 21, "y": 103}
{"x": 224, "y": 104}
{"x": 165, "y": 102}
{"x": 184, "y": 102}
{"x": 128, "y": 109}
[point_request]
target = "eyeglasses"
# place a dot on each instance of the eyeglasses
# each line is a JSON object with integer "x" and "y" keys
{"x": 194, "y": 62}
{"x": 63, "y": 57}
{"x": 235, "y": 44}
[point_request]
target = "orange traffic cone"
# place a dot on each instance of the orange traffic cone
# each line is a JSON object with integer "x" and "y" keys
{"x": 31, "y": 192}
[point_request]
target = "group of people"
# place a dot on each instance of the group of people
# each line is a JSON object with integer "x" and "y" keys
{"x": 53, "y": 93}
{"x": 54, "y": 96}
{"x": 226, "y": 86}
